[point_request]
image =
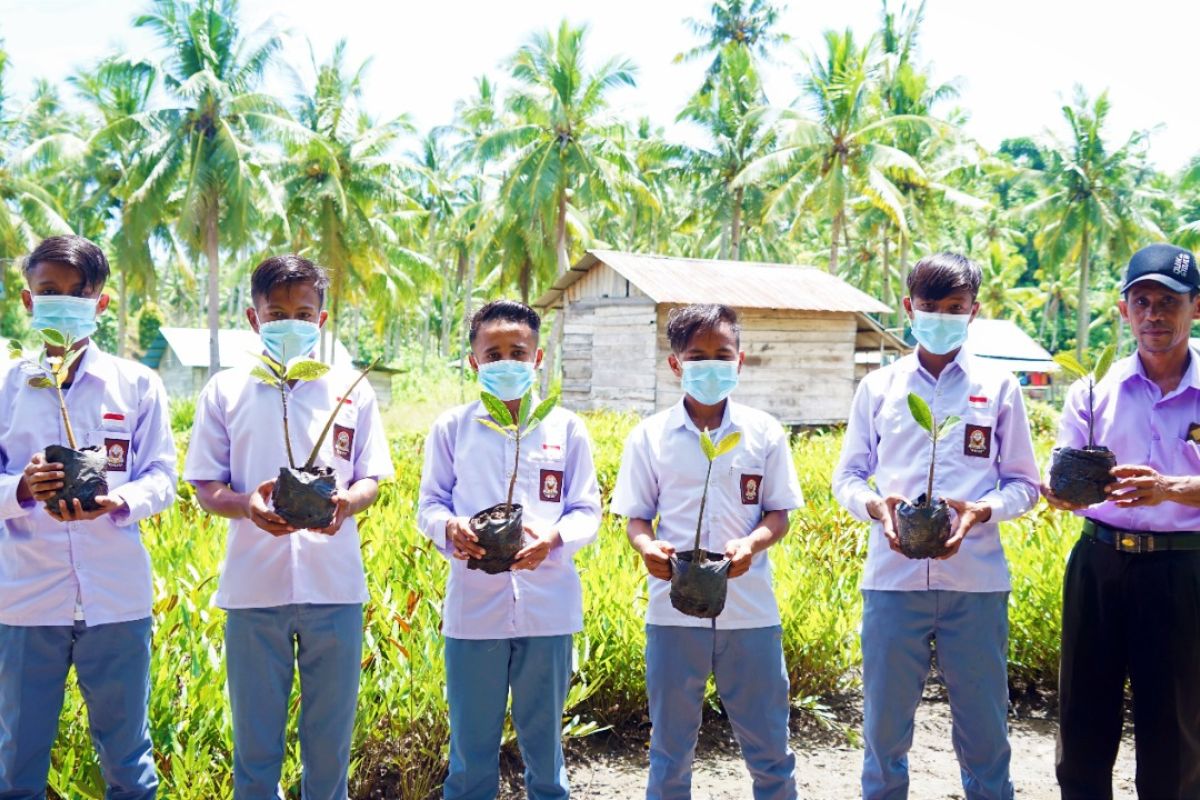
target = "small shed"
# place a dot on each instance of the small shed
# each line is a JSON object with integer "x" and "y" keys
{"x": 180, "y": 355}
{"x": 1003, "y": 343}
{"x": 801, "y": 330}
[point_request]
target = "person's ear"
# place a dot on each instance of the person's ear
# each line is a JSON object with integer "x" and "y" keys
{"x": 908, "y": 307}
{"x": 741, "y": 359}
{"x": 673, "y": 363}
{"x": 252, "y": 318}
{"x": 1196, "y": 306}
{"x": 471, "y": 360}
{"x": 537, "y": 359}
{"x": 102, "y": 304}
{"x": 1123, "y": 307}
{"x": 321, "y": 318}
{"x": 27, "y": 300}
{"x": 974, "y": 313}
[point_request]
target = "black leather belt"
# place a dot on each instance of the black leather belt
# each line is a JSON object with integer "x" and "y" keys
{"x": 1141, "y": 541}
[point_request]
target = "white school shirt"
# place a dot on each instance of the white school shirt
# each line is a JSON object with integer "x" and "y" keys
{"x": 467, "y": 469}
{"x": 988, "y": 457}
{"x": 662, "y": 475}
{"x": 237, "y": 439}
{"x": 48, "y": 568}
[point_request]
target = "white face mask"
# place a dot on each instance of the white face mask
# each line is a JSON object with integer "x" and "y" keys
{"x": 940, "y": 333}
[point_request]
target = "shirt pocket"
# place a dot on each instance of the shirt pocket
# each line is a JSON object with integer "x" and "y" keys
{"x": 977, "y": 437}
{"x": 115, "y": 438}
{"x": 342, "y": 438}
{"x": 548, "y": 475}
{"x": 1187, "y": 455}
{"x": 745, "y": 489}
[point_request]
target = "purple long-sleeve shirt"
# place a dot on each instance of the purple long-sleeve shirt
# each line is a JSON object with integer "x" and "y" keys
{"x": 1141, "y": 426}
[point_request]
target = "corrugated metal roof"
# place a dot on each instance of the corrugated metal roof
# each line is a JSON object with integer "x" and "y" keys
{"x": 238, "y": 347}
{"x": 1003, "y": 339}
{"x": 742, "y": 284}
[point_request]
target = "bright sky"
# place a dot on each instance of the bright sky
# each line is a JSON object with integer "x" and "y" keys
{"x": 1017, "y": 60}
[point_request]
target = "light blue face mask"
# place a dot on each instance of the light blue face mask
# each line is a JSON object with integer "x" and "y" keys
{"x": 940, "y": 333}
{"x": 71, "y": 316}
{"x": 507, "y": 380}
{"x": 286, "y": 339}
{"x": 709, "y": 382}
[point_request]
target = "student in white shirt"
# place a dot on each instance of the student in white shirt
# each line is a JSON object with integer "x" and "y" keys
{"x": 75, "y": 585}
{"x": 511, "y": 630}
{"x": 751, "y": 493}
{"x": 293, "y": 598}
{"x": 985, "y": 470}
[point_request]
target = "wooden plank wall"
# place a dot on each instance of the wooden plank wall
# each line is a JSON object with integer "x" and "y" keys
{"x": 608, "y": 355}
{"x": 799, "y": 365}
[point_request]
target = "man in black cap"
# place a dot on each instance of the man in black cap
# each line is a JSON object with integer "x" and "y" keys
{"x": 1131, "y": 597}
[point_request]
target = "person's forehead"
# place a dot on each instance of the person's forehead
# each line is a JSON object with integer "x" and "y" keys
{"x": 292, "y": 294}
{"x": 56, "y": 273}
{"x": 1150, "y": 288}
{"x": 504, "y": 331}
{"x": 719, "y": 335}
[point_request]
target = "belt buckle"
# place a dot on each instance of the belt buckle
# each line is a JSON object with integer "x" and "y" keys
{"x": 1130, "y": 542}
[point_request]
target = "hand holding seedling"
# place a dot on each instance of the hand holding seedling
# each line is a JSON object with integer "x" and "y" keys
{"x": 969, "y": 515}
{"x": 465, "y": 544}
{"x": 884, "y": 510}
{"x": 258, "y": 511}
{"x": 1140, "y": 486}
{"x": 535, "y": 552}
{"x": 341, "y": 512}
{"x": 75, "y": 512}
{"x": 42, "y": 479}
{"x": 656, "y": 554}
{"x": 740, "y": 553}
{"x": 1054, "y": 501}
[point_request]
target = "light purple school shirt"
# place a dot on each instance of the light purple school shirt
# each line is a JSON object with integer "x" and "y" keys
{"x": 988, "y": 457}
{"x": 46, "y": 565}
{"x": 662, "y": 476}
{"x": 1140, "y": 426}
{"x": 237, "y": 439}
{"x": 467, "y": 469}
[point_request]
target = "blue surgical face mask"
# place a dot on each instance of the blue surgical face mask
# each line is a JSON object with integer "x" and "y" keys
{"x": 507, "y": 380}
{"x": 71, "y": 316}
{"x": 709, "y": 382}
{"x": 286, "y": 339}
{"x": 940, "y": 333}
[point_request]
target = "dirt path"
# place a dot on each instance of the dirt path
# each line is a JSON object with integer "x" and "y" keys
{"x": 829, "y": 766}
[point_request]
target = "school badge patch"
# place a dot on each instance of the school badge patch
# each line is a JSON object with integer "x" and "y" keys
{"x": 977, "y": 441}
{"x": 343, "y": 442}
{"x": 118, "y": 454}
{"x": 550, "y": 486}
{"x": 751, "y": 489}
{"x": 1194, "y": 432}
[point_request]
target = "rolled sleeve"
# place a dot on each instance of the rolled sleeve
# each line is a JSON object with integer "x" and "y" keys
{"x": 580, "y": 521}
{"x": 374, "y": 457}
{"x": 782, "y": 487}
{"x": 153, "y": 486}
{"x": 435, "y": 504}
{"x": 10, "y": 506}
{"x": 858, "y": 459}
{"x": 636, "y": 493}
{"x": 1017, "y": 488}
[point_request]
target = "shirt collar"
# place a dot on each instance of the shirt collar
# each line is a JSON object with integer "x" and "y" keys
{"x": 912, "y": 362}
{"x": 679, "y": 418}
{"x": 97, "y": 363}
{"x": 1131, "y": 366}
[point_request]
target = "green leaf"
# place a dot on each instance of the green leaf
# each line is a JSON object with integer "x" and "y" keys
{"x": 53, "y": 337}
{"x": 946, "y": 425}
{"x": 523, "y": 411}
{"x": 69, "y": 358}
{"x": 920, "y": 411}
{"x": 273, "y": 365}
{"x": 495, "y": 406}
{"x": 706, "y": 444}
{"x": 264, "y": 376}
{"x": 544, "y": 408}
{"x": 493, "y": 426}
{"x": 1071, "y": 364}
{"x": 14, "y": 350}
{"x": 41, "y": 382}
{"x": 1104, "y": 362}
{"x": 306, "y": 370}
{"x": 729, "y": 443}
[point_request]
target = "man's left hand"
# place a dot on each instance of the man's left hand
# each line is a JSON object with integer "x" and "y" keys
{"x": 75, "y": 512}
{"x": 1139, "y": 486}
{"x": 969, "y": 515}
{"x": 537, "y": 548}
{"x": 340, "y": 514}
{"x": 740, "y": 553}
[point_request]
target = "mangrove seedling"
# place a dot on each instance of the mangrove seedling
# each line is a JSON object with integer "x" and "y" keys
{"x": 924, "y": 526}
{"x": 85, "y": 470}
{"x": 1079, "y": 475}
{"x": 500, "y": 529}
{"x": 700, "y": 579}
{"x": 303, "y": 495}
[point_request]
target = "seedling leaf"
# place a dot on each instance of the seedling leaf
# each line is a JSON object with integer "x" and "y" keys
{"x": 1071, "y": 364}
{"x": 1104, "y": 363}
{"x": 729, "y": 443}
{"x": 523, "y": 410}
{"x": 69, "y": 358}
{"x": 920, "y": 411}
{"x": 306, "y": 370}
{"x": 544, "y": 408}
{"x": 492, "y": 425}
{"x": 41, "y": 382}
{"x": 53, "y": 337}
{"x": 14, "y": 350}
{"x": 947, "y": 424}
{"x": 706, "y": 444}
{"x": 264, "y": 376}
{"x": 495, "y": 406}
{"x": 274, "y": 366}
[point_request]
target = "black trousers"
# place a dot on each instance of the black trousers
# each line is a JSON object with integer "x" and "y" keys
{"x": 1135, "y": 615}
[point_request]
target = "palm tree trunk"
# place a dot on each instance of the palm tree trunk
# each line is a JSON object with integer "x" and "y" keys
{"x": 903, "y": 287}
{"x": 887, "y": 269}
{"x": 212, "y": 251}
{"x": 735, "y": 225}
{"x": 833, "y": 244}
{"x": 444, "y": 338}
{"x": 561, "y": 267}
{"x": 122, "y": 313}
{"x": 468, "y": 311}
{"x": 1084, "y": 312}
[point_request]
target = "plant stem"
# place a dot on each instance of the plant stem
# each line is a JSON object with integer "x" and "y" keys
{"x": 512, "y": 482}
{"x": 1091, "y": 415}
{"x": 312, "y": 457}
{"x": 62, "y": 407}
{"x": 932, "y": 458}
{"x": 700, "y": 521}
{"x": 287, "y": 436}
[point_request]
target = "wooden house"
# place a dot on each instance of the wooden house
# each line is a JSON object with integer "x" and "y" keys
{"x": 801, "y": 330}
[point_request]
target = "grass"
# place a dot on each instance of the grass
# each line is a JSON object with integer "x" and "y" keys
{"x": 401, "y": 731}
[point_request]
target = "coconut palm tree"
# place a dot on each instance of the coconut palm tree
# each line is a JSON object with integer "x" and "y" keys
{"x": 746, "y": 26}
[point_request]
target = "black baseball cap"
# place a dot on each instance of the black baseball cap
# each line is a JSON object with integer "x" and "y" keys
{"x": 1173, "y": 267}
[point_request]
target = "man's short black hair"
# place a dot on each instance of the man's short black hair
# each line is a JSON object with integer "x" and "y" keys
{"x": 684, "y": 323}
{"x": 290, "y": 268}
{"x": 74, "y": 251}
{"x": 941, "y": 274}
{"x": 505, "y": 311}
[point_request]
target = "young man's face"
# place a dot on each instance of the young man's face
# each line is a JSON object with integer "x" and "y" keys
{"x": 1160, "y": 319}
{"x": 957, "y": 302}
{"x": 718, "y": 343}
{"x": 505, "y": 340}
{"x": 53, "y": 278}
{"x": 295, "y": 300}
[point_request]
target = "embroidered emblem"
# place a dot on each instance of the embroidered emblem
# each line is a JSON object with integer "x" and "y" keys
{"x": 1194, "y": 432}
{"x": 977, "y": 441}
{"x": 118, "y": 454}
{"x": 343, "y": 442}
{"x": 551, "y": 485}
{"x": 751, "y": 489}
